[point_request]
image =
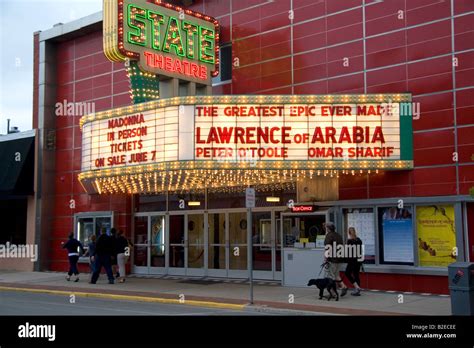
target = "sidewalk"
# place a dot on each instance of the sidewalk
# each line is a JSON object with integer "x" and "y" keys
{"x": 222, "y": 294}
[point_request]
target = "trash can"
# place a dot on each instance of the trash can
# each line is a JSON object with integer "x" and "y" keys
{"x": 461, "y": 286}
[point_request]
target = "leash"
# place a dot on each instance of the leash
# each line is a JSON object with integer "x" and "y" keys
{"x": 324, "y": 265}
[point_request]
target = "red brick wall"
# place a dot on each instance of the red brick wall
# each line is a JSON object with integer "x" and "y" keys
{"x": 403, "y": 282}
{"x": 322, "y": 38}
{"x": 84, "y": 75}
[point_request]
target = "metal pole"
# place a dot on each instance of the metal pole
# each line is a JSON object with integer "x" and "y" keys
{"x": 250, "y": 251}
{"x": 8, "y": 126}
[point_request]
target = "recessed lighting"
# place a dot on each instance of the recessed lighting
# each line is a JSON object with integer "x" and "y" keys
{"x": 273, "y": 199}
{"x": 194, "y": 203}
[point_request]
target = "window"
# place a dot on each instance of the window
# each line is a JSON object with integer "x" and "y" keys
{"x": 396, "y": 235}
{"x": 91, "y": 223}
{"x": 225, "y": 64}
{"x": 85, "y": 229}
{"x": 362, "y": 219}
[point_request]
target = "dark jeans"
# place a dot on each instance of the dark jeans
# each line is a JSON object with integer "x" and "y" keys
{"x": 91, "y": 265}
{"x": 73, "y": 265}
{"x": 352, "y": 272}
{"x": 102, "y": 261}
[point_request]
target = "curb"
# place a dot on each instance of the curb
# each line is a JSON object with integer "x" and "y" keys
{"x": 130, "y": 298}
{"x": 283, "y": 311}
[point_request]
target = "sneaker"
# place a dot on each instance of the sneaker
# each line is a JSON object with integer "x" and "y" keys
{"x": 68, "y": 277}
{"x": 76, "y": 280}
{"x": 343, "y": 292}
{"x": 122, "y": 280}
{"x": 356, "y": 292}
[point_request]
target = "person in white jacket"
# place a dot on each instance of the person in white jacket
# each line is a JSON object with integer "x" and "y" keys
{"x": 122, "y": 246}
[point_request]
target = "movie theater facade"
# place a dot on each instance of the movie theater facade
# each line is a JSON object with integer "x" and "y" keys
{"x": 155, "y": 119}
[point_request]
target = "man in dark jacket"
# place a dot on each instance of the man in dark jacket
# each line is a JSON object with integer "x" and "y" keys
{"x": 331, "y": 243}
{"x": 104, "y": 250}
{"x": 73, "y": 247}
{"x": 113, "y": 258}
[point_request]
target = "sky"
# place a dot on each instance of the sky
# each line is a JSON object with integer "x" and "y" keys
{"x": 19, "y": 19}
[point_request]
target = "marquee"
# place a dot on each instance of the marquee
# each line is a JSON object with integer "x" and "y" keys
{"x": 190, "y": 143}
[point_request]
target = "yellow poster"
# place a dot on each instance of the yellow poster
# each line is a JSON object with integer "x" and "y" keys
{"x": 436, "y": 235}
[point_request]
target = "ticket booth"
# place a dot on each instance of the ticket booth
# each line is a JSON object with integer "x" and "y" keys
{"x": 303, "y": 234}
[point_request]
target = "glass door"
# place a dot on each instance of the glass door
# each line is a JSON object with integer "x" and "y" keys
{"x": 157, "y": 244}
{"x": 263, "y": 244}
{"x": 218, "y": 254}
{"x": 149, "y": 245}
{"x": 280, "y": 226}
{"x": 237, "y": 244}
{"x": 177, "y": 244}
{"x": 140, "y": 245}
{"x": 195, "y": 251}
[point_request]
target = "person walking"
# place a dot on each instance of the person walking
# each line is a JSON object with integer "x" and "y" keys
{"x": 113, "y": 258}
{"x": 121, "y": 248}
{"x": 75, "y": 249}
{"x": 104, "y": 251}
{"x": 354, "y": 263}
{"x": 331, "y": 241}
{"x": 91, "y": 252}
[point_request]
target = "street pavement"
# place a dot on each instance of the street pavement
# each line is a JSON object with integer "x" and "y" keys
{"x": 26, "y": 303}
{"x": 226, "y": 295}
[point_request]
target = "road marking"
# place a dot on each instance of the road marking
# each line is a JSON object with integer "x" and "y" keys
{"x": 131, "y": 298}
{"x": 47, "y": 304}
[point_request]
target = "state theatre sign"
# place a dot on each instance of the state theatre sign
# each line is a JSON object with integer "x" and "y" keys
{"x": 192, "y": 143}
{"x": 162, "y": 39}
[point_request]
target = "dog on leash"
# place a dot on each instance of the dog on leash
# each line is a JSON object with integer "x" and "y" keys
{"x": 325, "y": 283}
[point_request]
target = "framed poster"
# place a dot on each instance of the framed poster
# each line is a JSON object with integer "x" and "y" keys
{"x": 396, "y": 235}
{"x": 362, "y": 219}
{"x": 436, "y": 235}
